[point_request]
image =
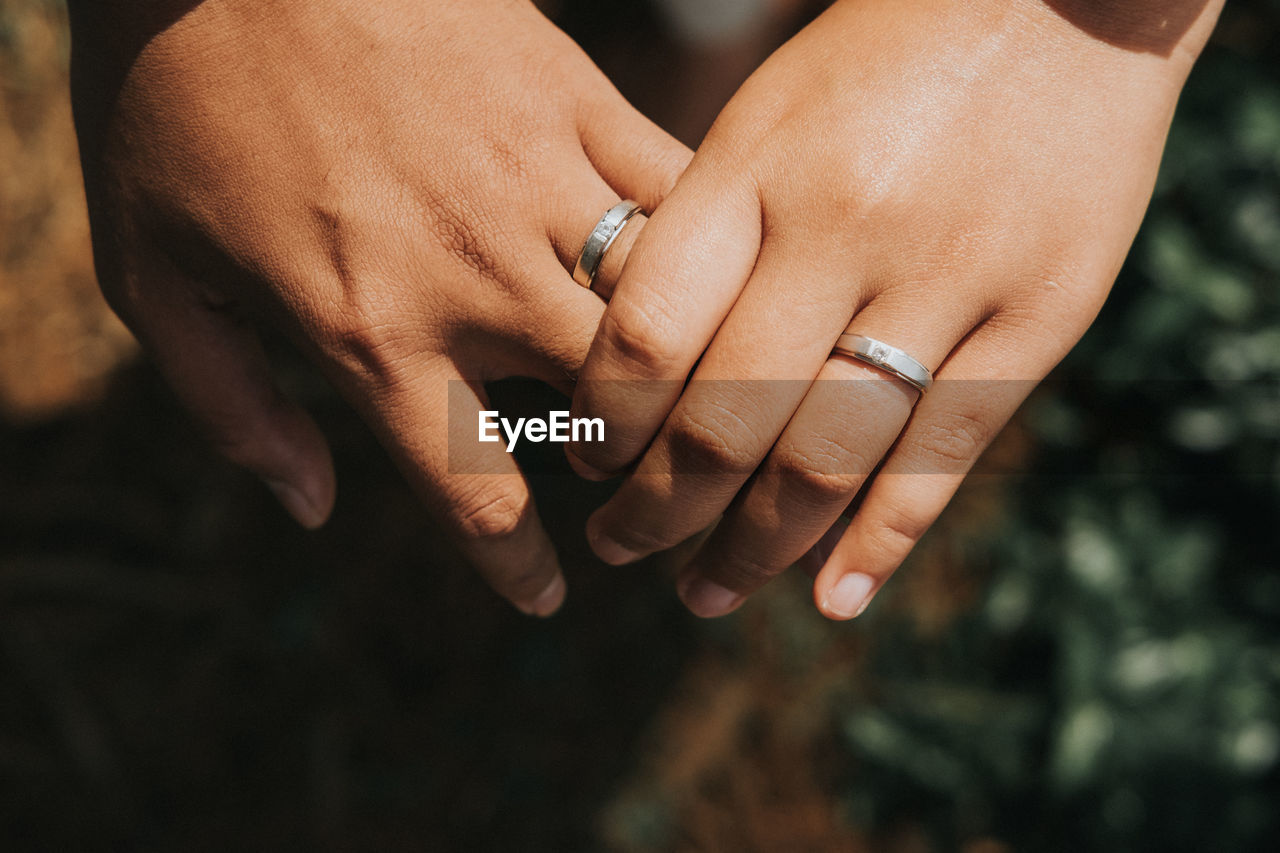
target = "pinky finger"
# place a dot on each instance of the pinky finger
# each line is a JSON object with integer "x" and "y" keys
{"x": 950, "y": 428}
{"x": 216, "y": 367}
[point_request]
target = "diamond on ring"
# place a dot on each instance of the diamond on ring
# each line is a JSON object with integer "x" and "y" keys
{"x": 886, "y": 357}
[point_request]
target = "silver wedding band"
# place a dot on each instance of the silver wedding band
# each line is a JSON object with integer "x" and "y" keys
{"x": 886, "y": 357}
{"x": 600, "y": 239}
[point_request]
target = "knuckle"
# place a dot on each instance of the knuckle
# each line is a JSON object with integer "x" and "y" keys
{"x": 955, "y": 439}
{"x": 643, "y": 540}
{"x": 364, "y": 327}
{"x": 704, "y": 443}
{"x": 744, "y": 573}
{"x": 895, "y": 532}
{"x": 823, "y": 478}
{"x": 847, "y": 198}
{"x": 366, "y": 341}
{"x": 739, "y": 134}
{"x": 470, "y": 236}
{"x": 464, "y": 240}
{"x": 643, "y": 346}
{"x": 357, "y": 318}
{"x": 492, "y": 516}
{"x": 506, "y": 151}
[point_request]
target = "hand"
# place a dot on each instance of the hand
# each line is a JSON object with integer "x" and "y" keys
{"x": 399, "y": 187}
{"x": 960, "y": 180}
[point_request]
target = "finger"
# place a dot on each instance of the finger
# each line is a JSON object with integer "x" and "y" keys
{"x": 555, "y": 337}
{"x": 731, "y": 413}
{"x": 638, "y": 159}
{"x": 728, "y": 441}
{"x": 427, "y": 416}
{"x": 952, "y": 425}
{"x": 551, "y": 332}
{"x": 615, "y": 257}
{"x": 577, "y": 203}
{"x": 848, "y": 420}
{"x": 546, "y": 334}
{"x": 683, "y": 276}
{"x": 580, "y": 203}
{"x": 216, "y": 366}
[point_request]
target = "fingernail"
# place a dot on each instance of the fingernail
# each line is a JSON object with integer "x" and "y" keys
{"x": 606, "y": 547}
{"x": 584, "y": 470}
{"x": 850, "y": 596}
{"x": 548, "y": 601}
{"x": 295, "y": 503}
{"x": 611, "y": 552}
{"x": 707, "y": 599}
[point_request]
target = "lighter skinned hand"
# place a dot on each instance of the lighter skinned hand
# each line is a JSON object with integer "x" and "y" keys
{"x": 959, "y": 180}
{"x": 399, "y": 187}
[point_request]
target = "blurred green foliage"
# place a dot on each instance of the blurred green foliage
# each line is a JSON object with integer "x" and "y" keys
{"x": 1118, "y": 687}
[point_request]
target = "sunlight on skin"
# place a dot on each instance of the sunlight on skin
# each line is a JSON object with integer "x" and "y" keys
{"x": 963, "y": 181}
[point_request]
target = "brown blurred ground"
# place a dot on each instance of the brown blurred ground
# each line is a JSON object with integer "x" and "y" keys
{"x": 58, "y": 341}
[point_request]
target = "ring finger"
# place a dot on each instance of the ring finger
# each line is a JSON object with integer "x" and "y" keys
{"x": 552, "y": 330}
{"x": 724, "y": 428}
{"x": 849, "y": 420}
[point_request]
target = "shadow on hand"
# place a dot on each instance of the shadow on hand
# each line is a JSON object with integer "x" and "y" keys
{"x": 1143, "y": 26}
{"x": 107, "y": 38}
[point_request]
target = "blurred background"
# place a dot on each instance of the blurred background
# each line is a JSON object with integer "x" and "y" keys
{"x": 1084, "y": 654}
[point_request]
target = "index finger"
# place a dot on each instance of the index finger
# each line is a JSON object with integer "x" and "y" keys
{"x": 681, "y": 278}
{"x": 427, "y": 421}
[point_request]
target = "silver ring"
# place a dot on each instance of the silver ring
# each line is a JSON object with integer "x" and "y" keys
{"x": 888, "y": 358}
{"x": 600, "y": 239}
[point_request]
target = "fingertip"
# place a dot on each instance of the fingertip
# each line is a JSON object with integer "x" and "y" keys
{"x": 606, "y": 547}
{"x": 547, "y": 602}
{"x": 317, "y": 472}
{"x": 847, "y": 598}
{"x": 297, "y": 466}
{"x": 705, "y": 598}
{"x": 304, "y": 509}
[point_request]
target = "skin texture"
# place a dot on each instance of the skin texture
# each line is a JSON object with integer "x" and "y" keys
{"x": 961, "y": 180}
{"x": 400, "y": 188}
